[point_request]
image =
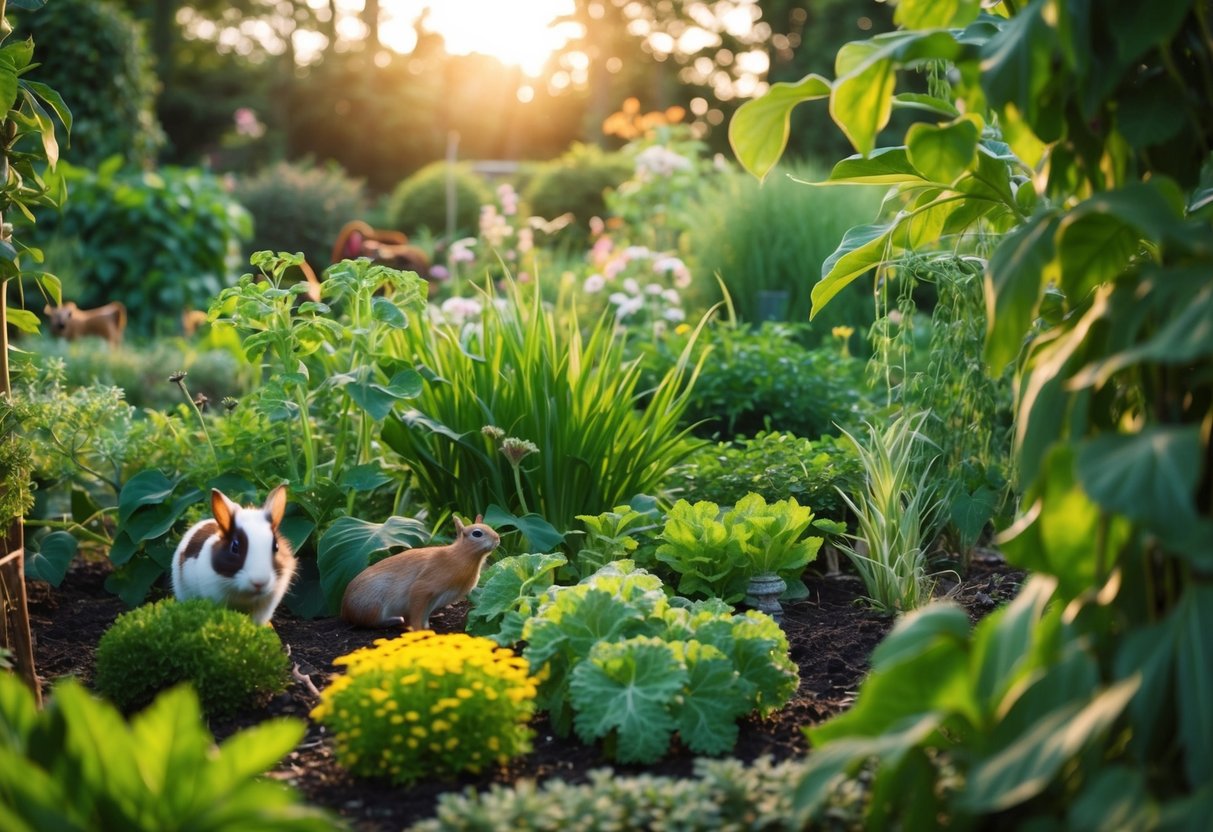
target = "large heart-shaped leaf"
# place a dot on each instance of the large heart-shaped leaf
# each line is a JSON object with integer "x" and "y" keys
{"x": 54, "y": 555}
{"x": 346, "y": 547}
{"x": 759, "y": 129}
{"x": 143, "y": 489}
{"x": 1150, "y": 476}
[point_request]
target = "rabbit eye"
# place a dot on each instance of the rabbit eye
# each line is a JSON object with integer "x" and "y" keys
{"x": 275, "y": 545}
{"x": 235, "y": 547}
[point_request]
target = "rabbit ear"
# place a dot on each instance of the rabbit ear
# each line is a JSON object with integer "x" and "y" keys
{"x": 479, "y": 518}
{"x": 275, "y": 505}
{"x": 224, "y": 510}
{"x": 48, "y": 310}
{"x": 458, "y": 525}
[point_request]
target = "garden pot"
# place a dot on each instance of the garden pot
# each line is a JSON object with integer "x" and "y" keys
{"x": 773, "y": 304}
{"x": 764, "y": 591}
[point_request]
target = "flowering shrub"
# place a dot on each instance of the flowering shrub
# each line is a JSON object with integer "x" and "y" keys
{"x": 642, "y": 286}
{"x": 506, "y": 242}
{"x": 426, "y": 704}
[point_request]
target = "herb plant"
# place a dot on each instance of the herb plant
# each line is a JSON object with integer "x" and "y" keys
{"x": 714, "y": 555}
{"x": 620, "y": 662}
{"x": 508, "y": 594}
{"x": 428, "y": 705}
{"x": 897, "y": 511}
{"x": 1079, "y": 138}
{"x": 526, "y": 372}
{"x": 77, "y": 765}
{"x": 233, "y": 663}
{"x": 776, "y": 465}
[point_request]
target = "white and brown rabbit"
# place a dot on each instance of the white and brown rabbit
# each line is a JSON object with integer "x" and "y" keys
{"x": 238, "y": 559}
{"x": 409, "y": 586}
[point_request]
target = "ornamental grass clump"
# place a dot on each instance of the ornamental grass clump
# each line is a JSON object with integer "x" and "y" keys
{"x": 232, "y": 662}
{"x": 428, "y": 705}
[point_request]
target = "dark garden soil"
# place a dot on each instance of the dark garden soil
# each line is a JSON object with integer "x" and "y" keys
{"x": 831, "y": 637}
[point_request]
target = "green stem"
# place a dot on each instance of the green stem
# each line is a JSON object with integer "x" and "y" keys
{"x": 518, "y": 488}
{"x": 75, "y": 528}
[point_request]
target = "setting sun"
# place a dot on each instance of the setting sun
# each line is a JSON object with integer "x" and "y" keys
{"x": 522, "y": 33}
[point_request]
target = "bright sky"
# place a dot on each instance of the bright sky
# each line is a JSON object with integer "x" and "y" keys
{"x": 518, "y": 32}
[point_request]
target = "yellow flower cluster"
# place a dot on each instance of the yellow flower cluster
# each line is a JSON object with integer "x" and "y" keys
{"x": 428, "y": 705}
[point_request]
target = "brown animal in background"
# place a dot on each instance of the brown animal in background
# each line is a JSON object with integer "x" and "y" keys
{"x": 70, "y": 321}
{"x": 408, "y": 587}
{"x": 389, "y": 248}
{"x": 191, "y": 321}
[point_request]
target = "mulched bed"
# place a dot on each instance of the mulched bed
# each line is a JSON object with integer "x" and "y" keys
{"x": 831, "y": 637}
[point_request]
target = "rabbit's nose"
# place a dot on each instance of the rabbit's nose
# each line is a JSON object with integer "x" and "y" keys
{"x": 258, "y": 585}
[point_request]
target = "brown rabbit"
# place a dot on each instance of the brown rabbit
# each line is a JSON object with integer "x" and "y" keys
{"x": 407, "y": 587}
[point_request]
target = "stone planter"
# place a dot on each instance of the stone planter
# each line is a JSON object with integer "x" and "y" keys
{"x": 763, "y": 594}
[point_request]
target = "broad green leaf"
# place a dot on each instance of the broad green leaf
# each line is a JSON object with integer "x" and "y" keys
{"x": 18, "y": 713}
{"x": 1092, "y": 249}
{"x": 921, "y": 101}
{"x": 251, "y": 752}
{"x": 24, "y": 320}
{"x": 375, "y": 398}
{"x": 862, "y": 248}
{"x": 54, "y": 555}
{"x": 171, "y": 744}
{"x": 387, "y": 312}
{"x": 1194, "y": 682}
{"x": 1002, "y": 643}
{"x": 707, "y": 719}
{"x": 758, "y": 131}
{"x": 886, "y": 166}
{"x": 1150, "y": 652}
{"x": 1014, "y": 284}
{"x": 943, "y": 153}
{"x": 154, "y": 521}
{"x": 760, "y": 653}
{"x": 346, "y": 547}
{"x": 46, "y": 127}
{"x": 8, "y": 87}
{"x": 629, "y": 688}
{"x": 970, "y": 513}
{"x": 53, "y": 99}
{"x": 917, "y": 630}
{"x": 936, "y": 14}
{"x": 1017, "y": 65}
{"x": 1150, "y": 476}
{"x": 540, "y": 534}
{"x": 861, "y": 103}
{"x": 133, "y": 581}
{"x": 1115, "y": 798}
{"x": 1024, "y": 769}
{"x": 145, "y": 488}
{"x": 366, "y": 477}
{"x": 1136, "y": 27}
{"x": 507, "y": 586}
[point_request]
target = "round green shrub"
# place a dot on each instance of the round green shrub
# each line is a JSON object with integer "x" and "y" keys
{"x": 94, "y": 55}
{"x": 300, "y": 207}
{"x": 576, "y": 183}
{"x": 420, "y": 201}
{"x": 232, "y": 662}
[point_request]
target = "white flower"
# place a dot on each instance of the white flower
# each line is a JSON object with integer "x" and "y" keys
{"x": 629, "y": 307}
{"x": 673, "y": 265}
{"x": 618, "y": 298}
{"x": 672, "y": 296}
{"x": 457, "y": 310}
{"x": 653, "y": 288}
{"x": 631, "y": 286}
{"x": 674, "y": 314}
{"x": 659, "y": 161}
{"x": 594, "y": 284}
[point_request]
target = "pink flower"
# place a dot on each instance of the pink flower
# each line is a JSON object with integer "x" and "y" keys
{"x": 594, "y": 284}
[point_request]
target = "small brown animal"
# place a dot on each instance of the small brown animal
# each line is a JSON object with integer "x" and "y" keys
{"x": 408, "y": 587}
{"x": 70, "y": 321}
{"x": 390, "y": 248}
{"x": 191, "y": 321}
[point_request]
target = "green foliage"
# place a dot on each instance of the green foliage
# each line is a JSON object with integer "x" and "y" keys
{"x": 970, "y": 410}
{"x": 232, "y": 662}
{"x": 612, "y": 535}
{"x": 300, "y": 207}
{"x": 425, "y": 705}
{"x": 348, "y": 545}
{"x": 723, "y": 794}
{"x": 528, "y": 371}
{"x": 773, "y": 237}
{"x": 576, "y": 183}
{"x": 620, "y": 661}
{"x": 896, "y": 515}
{"x": 754, "y": 380}
{"x": 16, "y": 462}
{"x": 775, "y": 465}
{"x": 77, "y": 765}
{"x": 1075, "y": 706}
{"x": 420, "y": 201}
{"x": 509, "y": 594}
{"x": 159, "y": 242}
{"x": 715, "y": 556}
{"x": 94, "y": 54}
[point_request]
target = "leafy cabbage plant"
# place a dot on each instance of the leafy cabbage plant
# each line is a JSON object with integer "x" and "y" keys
{"x": 508, "y": 594}
{"x": 715, "y": 556}
{"x": 624, "y": 663}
